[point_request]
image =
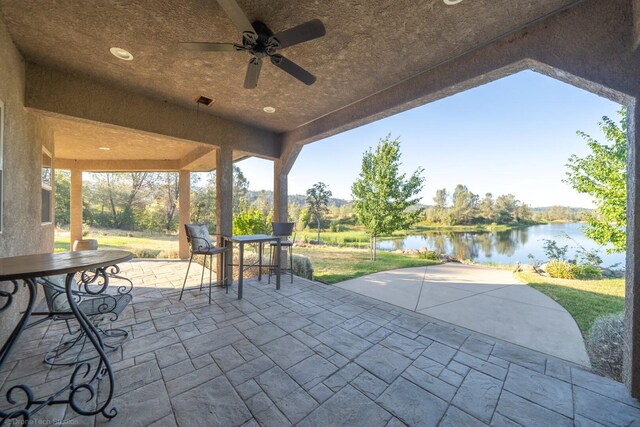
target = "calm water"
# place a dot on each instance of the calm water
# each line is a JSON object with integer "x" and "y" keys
{"x": 502, "y": 247}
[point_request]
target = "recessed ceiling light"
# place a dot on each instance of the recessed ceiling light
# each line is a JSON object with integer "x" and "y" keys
{"x": 269, "y": 110}
{"x": 120, "y": 53}
{"x": 104, "y": 148}
{"x": 451, "y": 2}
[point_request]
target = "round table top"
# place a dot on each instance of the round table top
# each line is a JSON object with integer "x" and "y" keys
{"x": 49, "y": 264}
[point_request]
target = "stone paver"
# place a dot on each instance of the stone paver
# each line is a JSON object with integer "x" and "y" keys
{"x": 313, "y": 355}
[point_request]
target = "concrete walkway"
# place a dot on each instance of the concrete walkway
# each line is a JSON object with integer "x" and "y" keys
{"x": 481, "y": 299}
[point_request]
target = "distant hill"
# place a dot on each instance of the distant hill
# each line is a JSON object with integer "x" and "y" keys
{"x": 297, "y": 199}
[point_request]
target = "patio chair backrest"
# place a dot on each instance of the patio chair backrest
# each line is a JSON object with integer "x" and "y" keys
{"x": 282, "y": 229}
{"x": 54, "y": 293}
{"x": 198, "y": 237}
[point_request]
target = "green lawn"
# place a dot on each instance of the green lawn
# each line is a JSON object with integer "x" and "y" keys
{"x": 585, "y": 300}
{"x": 333, "y": 264}
{"x": 142, "y": 245}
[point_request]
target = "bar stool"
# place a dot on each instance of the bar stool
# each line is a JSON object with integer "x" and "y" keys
{"x": 284, "y": 230}
{"x": 200, "y": 244}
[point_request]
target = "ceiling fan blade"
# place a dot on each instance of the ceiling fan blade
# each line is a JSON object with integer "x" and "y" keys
{"x": 253, "y": 72}
{"x": 210, "y": 47}
{"x": 302, "y": 33}
{"x": 294, "y": 69}
{"x": 237, "y": 16}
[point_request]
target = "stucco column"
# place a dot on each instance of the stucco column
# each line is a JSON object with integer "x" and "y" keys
{"x": 631, "y": 372}
{"x": 280, "y": 193}
{"x": 75, "y": 217}
{"x": 224, "y": 196}
{"x": 184, "y": 211}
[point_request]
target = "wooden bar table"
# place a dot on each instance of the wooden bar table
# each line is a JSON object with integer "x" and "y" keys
{"x": 242, "y": 240}
{"x": 96, "y": 268}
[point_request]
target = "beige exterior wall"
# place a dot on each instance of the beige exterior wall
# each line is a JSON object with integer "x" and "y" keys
{"x": 24, "y": 136}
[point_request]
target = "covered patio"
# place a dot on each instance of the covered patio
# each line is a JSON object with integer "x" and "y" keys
{"x": 64, "y": 96}
{"x": 314, "y": 355}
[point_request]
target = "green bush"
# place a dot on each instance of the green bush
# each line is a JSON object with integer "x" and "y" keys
{"x": 604, "y": 344}
{"x": 145, "y": 253}
{"x": 302, "y": 267}
{"x": 559, "y": 269}
{"x": 566, "y": 270}
{"x": 589, "y": 272}
{"x": 251, "y": 221}
{"x": 432, "y": 255}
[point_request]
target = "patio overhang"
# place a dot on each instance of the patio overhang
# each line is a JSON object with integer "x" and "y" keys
{"x": 377, "y": 59}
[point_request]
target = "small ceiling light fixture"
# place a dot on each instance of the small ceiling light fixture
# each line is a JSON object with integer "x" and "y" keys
{"x": 451, "y": 2}
{"x": 269, "y": 110}
{"x": 104, "y": 148}
{"x": 120, "y": 53}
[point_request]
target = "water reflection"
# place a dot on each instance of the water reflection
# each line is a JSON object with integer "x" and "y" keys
{"x": 502, "y": 247}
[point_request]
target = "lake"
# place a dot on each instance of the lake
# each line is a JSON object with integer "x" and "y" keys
{"x": 503, "y": 247}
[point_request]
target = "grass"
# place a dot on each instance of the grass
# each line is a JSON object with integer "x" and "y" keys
{"x": 585, "y": 300}
{"x": 332, "y": 264}
{"x": 143, "y": 245}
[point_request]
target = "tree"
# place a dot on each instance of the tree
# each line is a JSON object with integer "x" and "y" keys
{"x": 63, "y": 197}
{"x": 317, "y": 201}
{"x": 507, "y": 207}
{"x": 240, "y": 191}
{"x": 440, "y": 209}
{"x": 382, "y": 195}
{"x": 487, "y": 207}
{"x": 465, "y": 204}
{"x": 602, "y": 175}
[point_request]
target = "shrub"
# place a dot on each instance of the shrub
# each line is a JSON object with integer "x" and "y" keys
{"x": 432, "y": 255}
{"x": 169, "y": 253}
{"x": 250, "y": 221}
{"x": 562, "y": 269}
{"x": 302, "y": 267}
{"x": 604, "y": 345}
{"x": 553, "y": 251}
{"x": 145, "y": 253}
{"x": 589, "y": 272}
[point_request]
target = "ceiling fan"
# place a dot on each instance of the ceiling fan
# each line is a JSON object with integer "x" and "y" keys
{"x": 260, "y": 42}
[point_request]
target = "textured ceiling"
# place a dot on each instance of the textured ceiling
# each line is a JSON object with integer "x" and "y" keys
{"x": 370, "y": 45}
{"x": 73, "y": 141}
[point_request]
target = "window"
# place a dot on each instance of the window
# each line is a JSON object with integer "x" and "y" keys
{"x": 47, "y": 185}
{"x": 1, "y": 152}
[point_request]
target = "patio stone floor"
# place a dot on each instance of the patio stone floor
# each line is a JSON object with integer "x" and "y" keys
{"x": 314, "y": 355}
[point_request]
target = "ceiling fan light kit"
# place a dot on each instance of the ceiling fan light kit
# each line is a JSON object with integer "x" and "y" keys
{"x": 260, "y": 42}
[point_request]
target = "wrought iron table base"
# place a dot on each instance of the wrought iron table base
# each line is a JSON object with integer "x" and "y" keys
{"x": 86, "y": 375}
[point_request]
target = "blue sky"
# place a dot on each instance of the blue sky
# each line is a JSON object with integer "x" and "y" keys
{"x": 510, "y": 136}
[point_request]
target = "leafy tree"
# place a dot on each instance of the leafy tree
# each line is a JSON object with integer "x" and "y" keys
{"x": 440, "y": 209}
{"x": 602, "y": 174}
{"x": 465, "y": 204}
{"x": 507, "y": 206}
{"x": 240, "y": 191}
{"x": 382, "y": 195}
{"x": 487, "y": 207}
{"x": 63, "y": 197}
{"x": 317, "y": 201}
{"x": 250, "y": 221}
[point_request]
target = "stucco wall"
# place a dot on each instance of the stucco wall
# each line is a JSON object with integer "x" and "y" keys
{"x": 24, "y": 136}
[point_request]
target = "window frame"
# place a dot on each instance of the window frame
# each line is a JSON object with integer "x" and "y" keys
{"x": 1, "y": 166}
{"x": 46, "y": 187}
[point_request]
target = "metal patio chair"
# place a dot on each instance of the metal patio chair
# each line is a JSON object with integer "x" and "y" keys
{"x": 100, "y": 307}
{"x": 284, "y": 230}
{"x": 200, "y": 244}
